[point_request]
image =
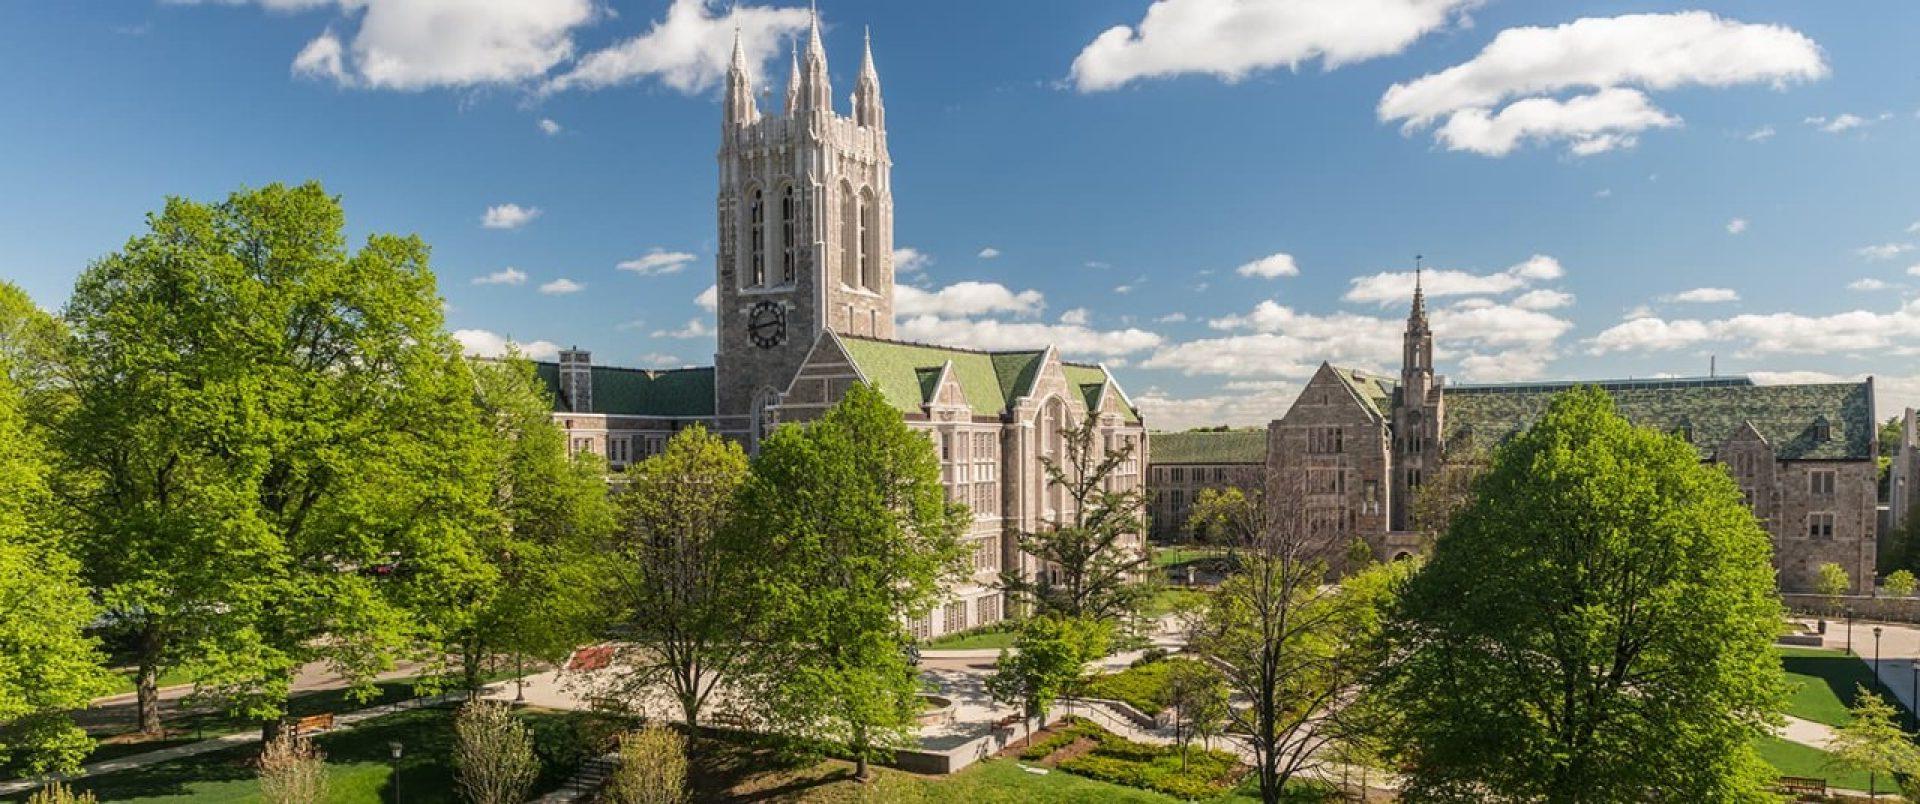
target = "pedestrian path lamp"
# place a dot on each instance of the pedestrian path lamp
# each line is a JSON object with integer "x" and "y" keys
{"x": 1876, "y": 655}
{"x": 1913, "y": 700}
{"x": 394, "y": 748}
{"x": 1850, "y": 631}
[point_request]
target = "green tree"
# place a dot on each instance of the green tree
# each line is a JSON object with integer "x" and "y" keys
{"x": 682, "y": 573}
{"x": 1446, "y": 492}
{"x": 1595, "y": 626}
{"x": 47, "y": 664}
{"x": 263, "y": 417}
{"x": 1195, "y": 697}
{"x": 493, "y": 757}
{"x": 1873, "y": 743}
{"x": 1832, "y": 584}
{"x": 1094, "y": 554}
{"x": 1289, "y": 645}
{"x": 854, "y": 531}
{"x": 535, "y": 590}
{"x": 1900, "y": 583}
{"x": 33, "y": 348}
{"x": 1048, "y": 660}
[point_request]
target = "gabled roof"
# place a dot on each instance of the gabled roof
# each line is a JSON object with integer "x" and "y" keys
{"x": 906, "y": 374}
{"x": 1711, "y": 410}
{"x": 1209, "y": 447}
{"x": 1373, "y": 388}
{"x": 677, "y": 393}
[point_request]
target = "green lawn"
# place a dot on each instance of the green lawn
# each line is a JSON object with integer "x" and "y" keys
{"x": 1794, "y": 759}
{"x": 1824, "y": 683}
{"x": 359, "y": 766}
{"x": 974, "y": 640}
{"x": 1173, "y": 556}
{"x": 994, "y": 781}
{"x": 123, "y": 679}
{"x": 1165, "y": 601}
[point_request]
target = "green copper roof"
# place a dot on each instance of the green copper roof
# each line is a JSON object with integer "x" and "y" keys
{"x": 1373, "y": 388}
{"x": 905, "y": 373}
{"x": 639, "y": 392}
{"x": 1230, "y": 446}
{"x": 1092, "y": 382}
{"x": 1709, "y": 410}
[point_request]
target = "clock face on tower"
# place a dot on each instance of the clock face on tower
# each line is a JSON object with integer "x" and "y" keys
{"x": 767, "y": 324}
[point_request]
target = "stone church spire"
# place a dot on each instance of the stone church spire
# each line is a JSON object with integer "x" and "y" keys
{"x": 816, "y": 90}
{"x": 867, "y": 108}
{"x": 793, "y": 78}
{"x": 1416, "y": 368}
{"x": 740, "y": 106}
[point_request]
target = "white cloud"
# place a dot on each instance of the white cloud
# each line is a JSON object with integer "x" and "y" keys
{"x": 561, "y": 287}
{"x": 1604, "y": 192}
{"x": 1542, "y": 300}
{"x": 1914, "y": 269}
{"x": 1855, "y": 331}
{"x": 657, "y": 262}
{"x": 1270, "y": 267}
{"x": 1397, "y": 287}
{"x": 1868, "y": 284}
{"x": 1761, "y": 134}
{"x": 1603, "y": 121}
{"x": 1736, "y": 226}
{"x": 695, "y": 328}
{"x": 1915, "y": 228}
{"x": 549, "y": 127}
{"x": 690, "y": 50}
{"x": 1252, "y": 409}
{"x": 910, "y": 261}
{"x": 1705, "y": 296}
{"x": 1077, "y": 316}
{"x": 966, "y": 299}
{"x": 1884, "y": 251}
{"x": 1615, "y": 57}
{"x": 505, "y": 276}
{"x": 423, "y": 44}
{"x": 508, "y": 216}
{"x": 482, "y": 343}
{"x": 989, "y": 253}
{"x": 1072, "y": 339}
{"x": 1171, "y": 318}
{"x": 1649, "y": 333}
{"x": 1844, "y": 122}
{"x": 1231, "y": 39}
{"x": 659, "y": 359}
{"x": 709, "y": 299}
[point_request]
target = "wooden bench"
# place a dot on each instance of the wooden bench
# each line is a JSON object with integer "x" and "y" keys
{"x": 1008, "y": 722}
{"x": 1802, "y": 788}
{"x": 313, "y": 724}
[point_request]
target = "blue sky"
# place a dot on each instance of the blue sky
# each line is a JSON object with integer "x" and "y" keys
{"x": 1210, "y": 203}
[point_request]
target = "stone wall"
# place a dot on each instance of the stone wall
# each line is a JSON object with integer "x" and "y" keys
{"x": 1882, "y": 608}
{"x": 1854, "y": 504}
{"x": 1175, "y": 487}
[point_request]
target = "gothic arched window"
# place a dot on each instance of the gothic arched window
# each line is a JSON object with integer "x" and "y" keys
{"x": 849, "y": 236}
{"x": 869, "y": 243}
{"x": 789, "y": 248}
{"x": 757, "y": 240}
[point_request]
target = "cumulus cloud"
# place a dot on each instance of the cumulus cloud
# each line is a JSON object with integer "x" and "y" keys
{"x": 709, "y": 299}
{"x": 967, "y": 299}
{"x": 1270, "y": 267}
{"x": 1614, "y": 59}
{"x": 1072, "y": 339}
{"x": 508, "y": 216}
{"x": 1397, "y": 287}
{"x": 423, "y": 44}
{"x": 989, "y": 253}
{"x": 1844, "y": 122}
{"x": 1252, "y": 408}
{"x": 1231, "y": 39}
{"x": 689, "y": 50}
{"x": 1883, "y": 251}
{"x": 483, "y": 343}
{"x": 910, "y": 261}
{"x": 549, "y": 127}
{"x": 1542, "y": 300}
{"x": 1077, "y": 316}
{"x": 1171, "y": 318}
{"x": 1705, "y": 296}
{"x": 657, "y": 262}
{"x": 505, "y": 276}
{"x": 1855, "y": 331}
{"x": 1761, "y": 134}
{"x": 695, "y": 328}
{"x": 1868, "y": 284}
{"x": 1736, "y": 226}
{"x": 562, "y": 287}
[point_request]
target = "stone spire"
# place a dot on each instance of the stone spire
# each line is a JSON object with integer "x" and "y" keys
{"x": 740, "y": 106}
{"x": 1416, "y": 368}
{"x": 867, "y": 108}
{"x": 793, "y": 78}
{"x": 1417, "y": 317}
{"x": 816, "y": 91}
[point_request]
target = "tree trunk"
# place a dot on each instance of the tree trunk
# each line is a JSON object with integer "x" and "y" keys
{"x": 147, "y": 682}
{"x": 860, "y": 769}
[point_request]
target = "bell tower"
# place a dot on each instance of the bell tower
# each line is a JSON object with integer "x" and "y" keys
{"x": 1418, "y": 412}
{"x": 805, "y": 215}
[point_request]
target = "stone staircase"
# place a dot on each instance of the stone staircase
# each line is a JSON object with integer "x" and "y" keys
{"x": 586, "y": 782}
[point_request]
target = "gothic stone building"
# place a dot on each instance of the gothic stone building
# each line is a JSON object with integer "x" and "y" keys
{"x": 1359, "y": 445}
{"x": 805, "y": 309}
{"x": 1186, "y": 464}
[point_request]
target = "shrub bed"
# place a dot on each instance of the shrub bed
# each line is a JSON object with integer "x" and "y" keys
{"x": 1138, "y": 686}
{"x": 1153, "y": 767}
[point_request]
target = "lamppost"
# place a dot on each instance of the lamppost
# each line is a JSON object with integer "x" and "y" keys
{"x": 1913, "y": 700}
{"x": 1876, "y": 655}
{"x": 1850, "y": 631}
{"x": 395, "y": 750}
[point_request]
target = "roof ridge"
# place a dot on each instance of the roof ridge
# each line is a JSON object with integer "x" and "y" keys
{"x": 941, "y": 346}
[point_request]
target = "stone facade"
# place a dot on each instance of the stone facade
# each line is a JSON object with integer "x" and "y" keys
{"x": 1358, "y": 447}
{"x": 1186, "y": 464}
{"x": 804, "y": 292}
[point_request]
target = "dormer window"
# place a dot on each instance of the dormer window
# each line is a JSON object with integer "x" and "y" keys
{"x": 1822, "y": 430}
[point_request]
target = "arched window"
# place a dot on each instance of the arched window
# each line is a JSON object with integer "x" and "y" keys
{"x": 757, "y": 240}
{"x": 849, "y": 237}
{"x": 869, "y": 243}
{"x": 789, "y": 247}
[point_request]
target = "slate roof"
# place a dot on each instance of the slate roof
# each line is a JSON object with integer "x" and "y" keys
{"x": 1712, "y": 409}
{"x": 1213, "y": 447}
{"x": 907, "y": 374}
{"x": 1373, "y": 388}
{"x": 675, "y": 393}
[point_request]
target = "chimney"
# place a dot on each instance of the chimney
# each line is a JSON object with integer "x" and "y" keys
{"x": 576, "y": 379}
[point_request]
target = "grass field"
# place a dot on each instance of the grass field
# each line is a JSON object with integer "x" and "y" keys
{"x": 1794, "y": 759}
{"x": 1825, "y": 682}
{"x": 974, "y": 640}
{"x": 359, "y": 765}
{"x": 1173, "y": 556}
